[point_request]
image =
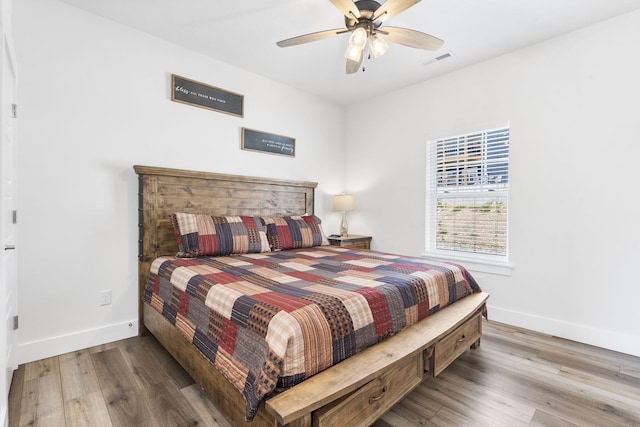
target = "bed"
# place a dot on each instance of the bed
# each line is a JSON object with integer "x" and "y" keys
{"x": 355, "y": 391}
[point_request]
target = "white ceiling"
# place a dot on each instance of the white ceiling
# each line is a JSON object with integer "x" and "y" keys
{"x": 244, "y": 33}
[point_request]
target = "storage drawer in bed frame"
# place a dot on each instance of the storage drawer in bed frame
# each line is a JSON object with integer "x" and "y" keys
{"x": 453, "y": 345}
{"x": 372, "y": 400}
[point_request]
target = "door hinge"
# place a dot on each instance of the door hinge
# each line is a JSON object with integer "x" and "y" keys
{"x": 15, "y": 322}
{"x": 14, "y": 111}
{"x": 14, "y": 216}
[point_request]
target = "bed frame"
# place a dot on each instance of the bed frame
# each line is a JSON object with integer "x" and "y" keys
{"x": 354, "y": 392}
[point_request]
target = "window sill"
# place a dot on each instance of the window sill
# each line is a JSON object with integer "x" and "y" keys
{"x": 474, "y": 264}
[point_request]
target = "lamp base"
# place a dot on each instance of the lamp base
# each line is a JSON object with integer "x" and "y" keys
{"x": 344, "y": 227}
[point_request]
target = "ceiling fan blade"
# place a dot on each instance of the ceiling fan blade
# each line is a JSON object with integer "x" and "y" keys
{"x": 308, "y": 38}
{"x": 348, "y": 8}
{"x": 354, "y": 66}
{"x": 411, "y": 38}
{"x": 392, "y": 8}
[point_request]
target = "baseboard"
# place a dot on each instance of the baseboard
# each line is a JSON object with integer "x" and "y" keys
{"x": 611, "y": 340}
{"x": 55, "y": 346}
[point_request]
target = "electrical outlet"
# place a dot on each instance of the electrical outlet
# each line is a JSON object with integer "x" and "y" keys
{"x": 105, "y": 297}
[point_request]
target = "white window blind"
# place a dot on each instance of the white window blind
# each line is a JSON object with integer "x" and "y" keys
{"x": 468, "y": 186}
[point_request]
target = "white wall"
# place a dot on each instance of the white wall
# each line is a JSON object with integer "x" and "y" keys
{"x": 94, "y": 99}
{"x": 572, "y": 103}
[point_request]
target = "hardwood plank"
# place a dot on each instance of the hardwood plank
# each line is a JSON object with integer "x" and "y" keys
{"x": 15, "y": 396}
{"x": 126, "y": 404}
{"x": 447, "y": 418}
{"x": 170, "y": 407}
{"x": 42, "y": 368}
{"x": 455, "y": 402}
{"x": 573, "y": 359}
{"x": 586, "y": 350}
{"x": 77, "y": 375}
{"x": 630, "y": 371}
{"x": 383, "y": 423}
{"x": 128, "y": 407}
{"x": 112, "y": 370}
{"x": 578, "y": 385}
{"x": 618, "y": 385}
{"x": 424, "y": 406}
{"x": 412, "y": 411}
{"x": 399, "y": 418}
{"x": 543, "y": 419}
{"x": 142, "y": 363}
{"x": 166, "y": 362}
{"x": 103, "y": 347}
{"x": 521, "y": 354}
{"x": 540, "y": 388}
{"x": 42, "y": 403}
{"x": 483, "y": 399}
{"x": 207, "y": 411}
{"x": 87, "y": 410}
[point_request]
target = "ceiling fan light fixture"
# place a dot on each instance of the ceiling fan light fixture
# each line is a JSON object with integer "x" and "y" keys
{"x": 358, "y": 38}
{"x": 354, "y": 53}
{"x": 364, "y": 20}
{"x": 378, "y": 45}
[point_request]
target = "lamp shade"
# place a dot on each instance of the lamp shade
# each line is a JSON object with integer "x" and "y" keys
{"x": 343, "y": 202}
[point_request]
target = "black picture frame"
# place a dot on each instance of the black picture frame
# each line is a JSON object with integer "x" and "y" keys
{"x": 255, "y": 140}
{"x": 198, "y": 94}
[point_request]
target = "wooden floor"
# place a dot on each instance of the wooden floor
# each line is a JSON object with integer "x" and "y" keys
{"x": 516, "y": 377}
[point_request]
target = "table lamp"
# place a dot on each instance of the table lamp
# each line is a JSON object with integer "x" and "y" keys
{"x": 344, "y": 203}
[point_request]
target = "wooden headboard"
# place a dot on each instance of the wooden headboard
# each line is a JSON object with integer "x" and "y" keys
{"x": 164, "y": 191}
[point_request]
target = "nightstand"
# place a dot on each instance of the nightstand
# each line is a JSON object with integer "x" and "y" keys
{"x": 351, "y": 241}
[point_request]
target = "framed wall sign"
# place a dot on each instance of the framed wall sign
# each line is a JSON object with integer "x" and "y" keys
{"x": 256, "y": 140}
{"x": 201, "y": 95}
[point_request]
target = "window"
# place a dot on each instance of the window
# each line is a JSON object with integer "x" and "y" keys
{"x": 467, "y": 195}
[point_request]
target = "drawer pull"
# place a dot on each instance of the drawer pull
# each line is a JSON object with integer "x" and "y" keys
{"x": 375, "y": 399}
{"x": 462, "y": 339}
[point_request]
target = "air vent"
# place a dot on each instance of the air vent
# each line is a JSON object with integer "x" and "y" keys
{"x": 438, "y": 58}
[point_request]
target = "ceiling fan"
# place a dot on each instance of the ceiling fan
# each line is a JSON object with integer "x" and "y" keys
{"x": 364, "y": 19}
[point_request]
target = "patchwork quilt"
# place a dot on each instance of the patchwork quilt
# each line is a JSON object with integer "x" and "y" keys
{"x": 268, "y": 321}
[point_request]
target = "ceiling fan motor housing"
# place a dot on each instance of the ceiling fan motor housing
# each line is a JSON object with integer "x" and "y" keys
{"x": 367, "y": 9}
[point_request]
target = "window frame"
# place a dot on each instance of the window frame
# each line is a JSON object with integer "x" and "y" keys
{"x": 491, "y": 263}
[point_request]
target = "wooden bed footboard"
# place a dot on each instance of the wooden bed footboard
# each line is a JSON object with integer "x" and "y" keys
{"x": 354, "y": 392}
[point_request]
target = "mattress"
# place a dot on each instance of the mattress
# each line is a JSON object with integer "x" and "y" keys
{"x": 268, "y": 321}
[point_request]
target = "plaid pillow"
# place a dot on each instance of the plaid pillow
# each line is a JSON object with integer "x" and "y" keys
{"x": 291, "y": 232}
{"x": 205, "y": 235}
